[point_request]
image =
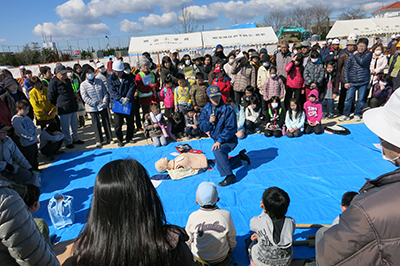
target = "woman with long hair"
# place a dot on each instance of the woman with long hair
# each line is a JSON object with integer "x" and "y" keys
{"x": 126, "y": 225}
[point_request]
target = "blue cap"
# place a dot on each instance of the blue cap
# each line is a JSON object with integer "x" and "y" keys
{"x": 207, "y": 194}
{"x": 219, "y": 46}
{"x": 213, "y": 90}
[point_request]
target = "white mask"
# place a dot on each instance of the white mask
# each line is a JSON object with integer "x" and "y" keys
{"x": 103, "y": 69}
{"x": 90, "y": 76}
{"x": 295, "y": 52}
{"x": 273, "y": 75}
{"x": 266, "y": 64}
{"x": 231, "y": 61}
{"x": 382, "y": 83}
{"x": 314, "y": 60}
{"x": 378, "y": 52}
{"x": 274, "y": 105}
{"x": 70, "y": 74}
{"x": 187, "y": 62}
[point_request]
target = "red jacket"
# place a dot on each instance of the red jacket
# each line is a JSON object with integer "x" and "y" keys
{"x": 294, "y": 78}
{"x": 224, "y": 85}
{"x": 146, "y": 92}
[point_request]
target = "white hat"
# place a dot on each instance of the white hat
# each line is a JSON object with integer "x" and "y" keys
{"x": 118, "y": 66}
{"x": 99, "y": 65}
{"x": 398, "y": 35}
{"x": 22, "y": 67}
{"x": 173, "y": 50}
{"x": 385, "y": 121}
{"x": 393, "y": 36}
{"x": 207, "y": 194}
{"x": 336, "y": 41}
{"x": 352, "y": 36}
{"x": 239, "y": 56}
{"x": 330, "y": 40}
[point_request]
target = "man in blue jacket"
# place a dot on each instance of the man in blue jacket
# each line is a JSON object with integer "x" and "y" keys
{"x": 356, "y": 78}
{"x": 220, "y": 120}
{"x": 121, "y": 87}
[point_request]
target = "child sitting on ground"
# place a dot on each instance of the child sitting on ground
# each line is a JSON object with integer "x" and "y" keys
{"x": 331, "y": 90}
{"x": 294, "y": 120}
{"x": 154, "y": 124}
{"x": 252, "y": 115}
{"x": 51, "y": 140}
{"x": 313, "y": 110}
{"x": 27, "y": 133}
{"x": 211, "y": 230}
{"x": 381, "y": 92}
{"x": 271, "y": 244}
{"x": 275, "y": 118}
{"x": 198, "y": 93}
{"x": 192, "y": 123}
{"x": 181, "y": 94}
{"x": 176, "y": 126}
{"x": 31, "y": 199}
{"x": 167, "y": 95}
{"x": 249, "y": 92}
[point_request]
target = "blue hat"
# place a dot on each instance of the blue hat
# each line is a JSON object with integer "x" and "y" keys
{"x": 207, "y": 194}
{"x": 213, "y": 90}
{"x": 219, "y": 46}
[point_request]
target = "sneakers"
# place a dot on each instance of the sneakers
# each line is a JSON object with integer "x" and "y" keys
{"x": 344, "y": 118}
{"x": 357, "y": 118}
{"x": 120, "y": 144}
{"x": 330, "y": 116}
{"x": 98, "y": 145}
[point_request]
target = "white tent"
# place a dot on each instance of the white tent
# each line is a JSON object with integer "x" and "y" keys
{"x": 365, "y": 27}
{"x": 239, "y": 37}
{"x": 159, "y": 43}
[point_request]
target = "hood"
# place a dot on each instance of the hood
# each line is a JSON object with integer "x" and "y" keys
{"x": 314, "y": 92}
{"x": 20, "y": 189}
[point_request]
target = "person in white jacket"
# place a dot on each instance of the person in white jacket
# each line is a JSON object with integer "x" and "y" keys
{"x": 294, "y": 120}
{"x": 378, "y": 63}
{"x": 252, "y": 115}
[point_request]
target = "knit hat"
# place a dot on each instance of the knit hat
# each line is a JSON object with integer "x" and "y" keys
{"x": 263, "y": 51}
{"x": 207, "y": 194}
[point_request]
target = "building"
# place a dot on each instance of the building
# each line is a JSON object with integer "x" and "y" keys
{"x": 390, "y": 11}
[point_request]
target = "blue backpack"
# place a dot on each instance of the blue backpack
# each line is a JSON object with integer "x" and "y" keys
{"x": 61, "y": 210}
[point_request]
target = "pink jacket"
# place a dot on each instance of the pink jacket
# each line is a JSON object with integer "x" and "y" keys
{"x": 167, "y": 96}
{"x": 313, "y": 110}
{"x": 273, "y": 87}
{"x": 294, "y": 78}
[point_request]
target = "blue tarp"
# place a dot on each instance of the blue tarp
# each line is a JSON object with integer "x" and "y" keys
{"x": 314, "y": 170}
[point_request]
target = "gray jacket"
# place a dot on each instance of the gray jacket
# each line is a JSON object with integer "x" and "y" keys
{"x": 21, "y": 241}
{"x": 281, "y": 60}
{"x": 9, "y": 153}
{"x": 314, "y": 73}
{"x": 94, "y": 93}
{"x": 25, "y": 130}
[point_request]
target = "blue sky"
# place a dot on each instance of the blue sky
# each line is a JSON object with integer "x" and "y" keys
{"x": 90, "y": 20}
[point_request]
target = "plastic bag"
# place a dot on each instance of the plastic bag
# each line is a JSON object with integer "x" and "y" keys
{"x": 61, "y": 210}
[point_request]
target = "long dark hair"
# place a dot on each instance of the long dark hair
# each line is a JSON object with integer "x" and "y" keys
{"x": 126, "y": 224}
{"x": 299, "y": 109}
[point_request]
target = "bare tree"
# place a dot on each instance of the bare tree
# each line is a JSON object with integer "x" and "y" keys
{"x": 276, "y": 18}
{"x": 353, "y": 13}
{"x": 301, "y": 16}
{"x": 187, "y": 23}
{"x": 320, "y": 14}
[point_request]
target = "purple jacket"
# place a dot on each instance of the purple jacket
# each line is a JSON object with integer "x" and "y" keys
{"x": 382, "y": 95}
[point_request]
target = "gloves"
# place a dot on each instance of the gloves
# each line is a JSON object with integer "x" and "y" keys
{"x": 10, "y": 168}
{"x": 124, "y": 101}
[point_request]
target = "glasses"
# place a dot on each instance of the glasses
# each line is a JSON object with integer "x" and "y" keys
{"x": 383, "y": 154}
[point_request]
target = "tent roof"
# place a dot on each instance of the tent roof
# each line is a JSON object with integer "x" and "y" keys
{"x": 365, "y": 27}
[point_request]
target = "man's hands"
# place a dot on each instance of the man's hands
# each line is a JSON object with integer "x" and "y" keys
{"x": 212, "y": 118}
{"x": 216, "y": 146}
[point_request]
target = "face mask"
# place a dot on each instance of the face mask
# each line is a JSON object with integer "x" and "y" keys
{"x": 90, "y": 76}
{"x": 274, "y": 105}
{"x": 187, "y": 62}
{"x": 314, "y": 60}
{"x": 70, "y": 74}
{"x": 273, "y": 75}
{"x": 127, "y": 71}
{"x": 382, "y": 83}
{"x": 231, "y": 61}
{"x": 295, "y": 52}
{"x": 266, "y": 64}
{"x": 103, "y": 69}
{"x": 378, "y": 52}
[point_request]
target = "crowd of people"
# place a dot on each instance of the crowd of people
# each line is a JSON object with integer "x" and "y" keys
{"x": 225, "y": 97}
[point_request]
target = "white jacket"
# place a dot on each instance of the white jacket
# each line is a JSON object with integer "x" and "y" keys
{"x": 381, "y": 62}
{"x": 262, "y": 76}
{"x": 252, "y": 115}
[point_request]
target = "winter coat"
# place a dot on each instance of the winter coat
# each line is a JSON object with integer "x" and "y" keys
{"x": 275, "y": 117}
{"x": 167, "y": 96}
{"x": 146, "y": 92}
{"x": 25, "y": 129}
{"x": 198, "y": 96}
{"x": 224, "y": 85}
{"x": 356, "y": 70}
{"x": 368, "y": 232}
{"x": 294, "y": 76}
{"x": 5, "y": 114}
{"x": 281, "y": 61}
{"x": 225, "y": 126}
{"x": 104, "y": 79}
{"x": 21, "y": 241}
{"x": 377, "y": 64}
{"x": 262, "y": 76}
{"x": 228, "y": 70}
{"x": 93, "y": 94}
{"x": 41, "y": 104}
{"x": 313, "y": 110}
{"x": 382, "y": 95}
{"x": 61, "y": 94}
{"x": 245, "y": 76}
{"x": 314, "y": 73}
{"x": 341, "y": 63}
{"x": 252, "y": 115}
{"x": 245, "y": 101}
{"x": 330, "y": 53}
{"x": 273, "y": 87}
{"x": 124, "y": 88}
{"x": 12, "y": 155}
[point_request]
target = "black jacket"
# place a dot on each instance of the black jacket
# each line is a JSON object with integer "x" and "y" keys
{"x": 62, "y": 96}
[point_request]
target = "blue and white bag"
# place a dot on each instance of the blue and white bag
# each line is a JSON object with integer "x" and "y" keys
{"x": 61, "y": 210}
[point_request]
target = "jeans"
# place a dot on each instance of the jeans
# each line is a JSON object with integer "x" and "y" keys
{"x": 350, "y": 98}
{"x": 328, "y": 106}
{"x": 159, "y": 141}
{"x": 69, "y": 127}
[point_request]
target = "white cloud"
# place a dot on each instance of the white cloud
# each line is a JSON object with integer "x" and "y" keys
{"x": 166, "y": 20}
{"x": 202, "y": 13}
{"x": 239, "y": 10}
{"x": 130, "y": 27}
{"x": 2, "y": 40}
{"x": 65, "y": 29}
{"x": 76, "y": 11}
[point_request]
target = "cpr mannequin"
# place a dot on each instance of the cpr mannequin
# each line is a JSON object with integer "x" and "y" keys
{"x": 184, "y": 165}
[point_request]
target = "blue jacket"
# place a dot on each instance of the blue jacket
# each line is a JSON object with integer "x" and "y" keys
{"x": 329, "y": 55}
{"x": 124, "y": 88}
{"x": 225, "y": 126}
{"x": 356, "y": 70}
